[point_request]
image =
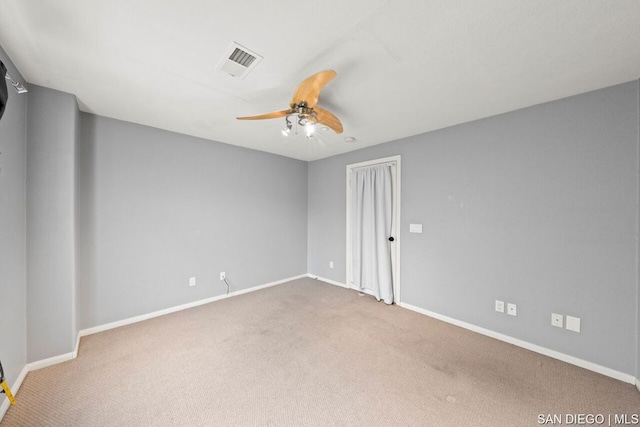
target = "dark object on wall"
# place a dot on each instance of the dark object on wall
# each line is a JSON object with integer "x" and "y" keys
{"x": 4, "y": 94}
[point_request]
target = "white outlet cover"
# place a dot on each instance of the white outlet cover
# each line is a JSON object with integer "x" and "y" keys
{"x": 415, "y": 228}
{"x": 499, "y": 306}
{"x": 512, "y": 309}
{"x": 573, "y": 323}
{"x": 557, "y": 320}
{"x": 192, "y": 281}
{"x": 330, "y": 264}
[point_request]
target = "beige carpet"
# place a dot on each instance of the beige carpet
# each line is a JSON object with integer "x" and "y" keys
{"x": 307, "y": 353}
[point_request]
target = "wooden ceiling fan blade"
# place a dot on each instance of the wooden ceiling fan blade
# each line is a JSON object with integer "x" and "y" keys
{"x": 273, "y": 115}
{"x": 328, "y": 119}
{"x": 309, "y": 90}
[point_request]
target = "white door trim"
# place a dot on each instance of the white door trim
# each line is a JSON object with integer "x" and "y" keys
{"x": 395, "y": 248}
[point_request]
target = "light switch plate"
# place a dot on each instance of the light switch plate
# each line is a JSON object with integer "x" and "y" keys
{"x": 500, "y": 306}
{"x": 415, "y": 228}
{"x": 573, "y": 323}
{"x": 512, "y": 309}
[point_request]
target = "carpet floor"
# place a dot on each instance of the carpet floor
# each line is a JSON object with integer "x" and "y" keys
{"x": 306, "y": 353}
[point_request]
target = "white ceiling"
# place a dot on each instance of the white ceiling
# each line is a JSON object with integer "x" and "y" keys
{"x": 404, "y": 67}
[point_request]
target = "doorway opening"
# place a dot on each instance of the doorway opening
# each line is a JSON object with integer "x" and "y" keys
{"x": 355, "y": 214}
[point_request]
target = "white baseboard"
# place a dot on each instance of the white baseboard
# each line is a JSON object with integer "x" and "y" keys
{"x": 16, "y": 386}
{"x": 533, "y": 347}
{"x": 331, "y": 282}
{"x": 517, "y": 342}
{"x": 69, "y": 356}
{"x": 529, "y": 346}
{"x": 169, "y": 310}
{"x": 33, "y": 366}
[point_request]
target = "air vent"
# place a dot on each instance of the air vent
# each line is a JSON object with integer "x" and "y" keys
{"x": 242, "y": 57}
{"x": 239, "y": 61}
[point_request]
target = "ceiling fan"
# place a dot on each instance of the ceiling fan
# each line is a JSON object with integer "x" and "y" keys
{"x": 303, "y": 106}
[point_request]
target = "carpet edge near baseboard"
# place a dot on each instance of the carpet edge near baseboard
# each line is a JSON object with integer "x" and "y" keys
{"x": 84, "y": 332}
{"x": 329, "y": 281}
{"x": 142, "y": 317}
{"x": 16, "y": 386}
{"x": 520, "y": 343}
{"x": 603, "y": 370}
{"x": 627, "y": 378}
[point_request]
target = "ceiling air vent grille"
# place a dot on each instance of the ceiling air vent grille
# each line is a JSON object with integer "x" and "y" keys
{"x": 241, "y": 57}
{"x": 239, "y": 61}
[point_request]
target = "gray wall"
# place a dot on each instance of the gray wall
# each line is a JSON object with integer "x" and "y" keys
{"x": 537, "y": 207}
{"x": 51, "y": 239}
{"x": 156, "y": 208}
{"x": 13, "y": 261}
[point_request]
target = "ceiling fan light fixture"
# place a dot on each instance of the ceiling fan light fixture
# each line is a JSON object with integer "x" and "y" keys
{"x": 287, "y": 129}
{"x": 303, "y": 107}
{"x": 309, "y": 128}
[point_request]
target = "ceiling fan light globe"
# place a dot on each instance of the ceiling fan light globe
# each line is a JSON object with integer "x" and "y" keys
{"x": 309, "y": 128}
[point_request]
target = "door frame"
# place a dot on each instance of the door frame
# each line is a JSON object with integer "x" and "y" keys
{"x": 396, "y": 225}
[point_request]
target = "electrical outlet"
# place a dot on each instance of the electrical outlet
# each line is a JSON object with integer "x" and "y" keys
{"x": 512, "y": 309}
{"x": 500, "y": 306}
{"x": 556, "y": 320}
{"x": 192, "y": 281}
{"x": 330, "y": 264}
{"x": 573, "y": 324}
{"x": 222, "y": 275}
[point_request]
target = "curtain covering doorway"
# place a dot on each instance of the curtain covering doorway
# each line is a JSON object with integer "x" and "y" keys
{"x": 372, "y": 208}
